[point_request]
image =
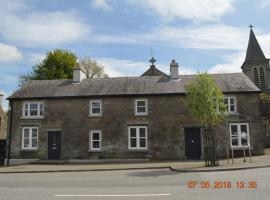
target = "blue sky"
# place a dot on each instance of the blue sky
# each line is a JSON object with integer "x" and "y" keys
{"x": 201, "y": 35}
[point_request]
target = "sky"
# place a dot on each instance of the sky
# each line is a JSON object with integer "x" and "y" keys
{"x": 201, "y": 35}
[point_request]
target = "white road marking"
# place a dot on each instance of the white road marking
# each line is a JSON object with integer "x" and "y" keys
{"x": 110, "y": 195}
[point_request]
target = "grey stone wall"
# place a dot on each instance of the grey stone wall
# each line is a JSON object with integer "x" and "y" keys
{"x": 167, "y": 118}
{"x": 3, "y": 124}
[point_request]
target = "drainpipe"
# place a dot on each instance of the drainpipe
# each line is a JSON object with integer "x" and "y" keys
{"x": 10, "y": 126}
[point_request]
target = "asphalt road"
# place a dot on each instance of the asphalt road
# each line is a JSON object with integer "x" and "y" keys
{"x": 136, "y": 185}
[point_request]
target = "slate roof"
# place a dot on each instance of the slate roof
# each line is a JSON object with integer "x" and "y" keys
{"x": 144, "y": 85}
{"x": 254, "y": 51}
{"x": 153, "y": 71}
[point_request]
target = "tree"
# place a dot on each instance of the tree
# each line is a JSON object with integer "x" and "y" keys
{"x": 58, "y": 64}
{"x": 92, "y": 68}
{"x": 206, "y": 103}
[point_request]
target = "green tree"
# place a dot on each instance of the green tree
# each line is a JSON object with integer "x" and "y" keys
{"x": 58, "y": 64}
{"x": 206, "y": 103}
{"x": 92, "y": 68}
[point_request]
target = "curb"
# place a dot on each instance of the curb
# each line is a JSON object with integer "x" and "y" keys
{"x": 218, "y": 170}
{"x": 84, "y": 170}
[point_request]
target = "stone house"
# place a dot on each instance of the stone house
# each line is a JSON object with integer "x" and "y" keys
{"x": 128, "y": 117}
{"x": 3, "y": 120}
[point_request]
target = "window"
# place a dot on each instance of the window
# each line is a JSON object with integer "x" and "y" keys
{"x": 259, "y": 77}
{"x": 141, "y": 107}
{"x": 95, "y": 108}
{"x": 33, "y": 109}
{"x": 137, "y": 137}
{"x": 230, "y": 104}
{"x": 30, "y": 138}
{"x": 239, "y": 134}
{"x": 95, "y": 140}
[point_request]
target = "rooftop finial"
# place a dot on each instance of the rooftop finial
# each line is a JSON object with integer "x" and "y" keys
{"x": 152, "y": 60}
{"x": 251, "y": 26}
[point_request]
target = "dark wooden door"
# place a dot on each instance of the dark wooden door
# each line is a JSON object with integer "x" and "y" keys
{"x": 54, "y": 145}
{"x": 193, "y": 143}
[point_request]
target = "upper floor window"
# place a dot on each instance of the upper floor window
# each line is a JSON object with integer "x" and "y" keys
{"x": 33, "y": 109}
{"x": 30, "y": 138}
{"x": 95, "y": 108}
{"x": 95, "y": 138}
{"x": 141, "y": 107}
{"x": 230, "y": 104}
{"x": 239, "y": 133}
{"x": 137, "y": 137}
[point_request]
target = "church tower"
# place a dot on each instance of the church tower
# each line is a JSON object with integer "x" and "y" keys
{"x": 256, "y": 65}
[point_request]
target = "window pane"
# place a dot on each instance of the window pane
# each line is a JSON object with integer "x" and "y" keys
{"x": 95, "y": 144}
{"x": 142, "y": 142}
{"x": 26, "y": 113}
{"x": 232, "y": 108}
{"x": 26, "y": 143}
{"x": 26, "y": 106}
{"x": 141, "y": 109}
{"x": 33, "y": 112}
{"x": 244, "y": 135}
{"x": 41, "y": 106}
{"x": 41, "y": 112}
{"x": 95, "y": 104}
{"x": 142, "y": 132}
{"x": 232, "y": 101}
{"x": 95, "y": 136}
{"x": 141, "y": 103}
{"x": 26, "y": 132}
{"x": 34, "y": 132}
{"x": 96, "y": 110}
{"x": 133, "y": 142}
{"x": 234, "y": 135}
{"x": 132, "y": 132}
{"x": 226, "y": 104}
{"x": 34, "y": 106}
{"x": 34, "y": 142}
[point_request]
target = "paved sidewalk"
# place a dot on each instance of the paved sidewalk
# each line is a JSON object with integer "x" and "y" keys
{"x": 181, "y": 166}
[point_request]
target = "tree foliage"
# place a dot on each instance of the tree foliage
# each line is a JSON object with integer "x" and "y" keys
{"x": 205, "y": 100}
{"x": 92, "y": 68}
{"x": 58, "y": 64}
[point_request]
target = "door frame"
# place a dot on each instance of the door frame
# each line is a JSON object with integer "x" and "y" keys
{"x": 201, "y": 136}
{"x": 61, "y": 139}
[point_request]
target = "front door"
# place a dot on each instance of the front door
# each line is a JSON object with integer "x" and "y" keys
{"x": 54, "y": 145}
{"x": 193, "y": 143}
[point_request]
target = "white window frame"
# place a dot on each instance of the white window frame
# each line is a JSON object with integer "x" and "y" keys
{"x": 239, "y": 135}
{"x": 30, "y": 137}
{"x": 91, "y": 148}
{"x": 146, "y": 107}
{"x": 28, "y": 110}
{"x": 229, "y": 104}
{"x": 91, "y": 108}
{"x": 138, "y": 138}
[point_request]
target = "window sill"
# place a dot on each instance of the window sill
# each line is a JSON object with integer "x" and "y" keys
{"x": 240, "y": 147}
{"x": 138, "y": 150}
{"x": 94, "y": 150}
{"x": 228, "y": 114}
{"x": 32, "y": 118}
{"x": 95, "y": 116}
{"x": 141, "y": 114}
{"x": 29, "y": 150}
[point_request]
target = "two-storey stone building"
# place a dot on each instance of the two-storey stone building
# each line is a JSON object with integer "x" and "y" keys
{"x": 128, "y": 117}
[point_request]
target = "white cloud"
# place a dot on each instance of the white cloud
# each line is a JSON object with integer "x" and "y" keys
{"x": 215, "y": 36}
{"x": 102, "y": 4}
{"x": 262, "y": 3}
{"x": 28, "y": 27}
{"x": 9, "y": 53}
{"x": 198, "y": 10}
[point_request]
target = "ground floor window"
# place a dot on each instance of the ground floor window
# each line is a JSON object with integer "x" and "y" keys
{"x": 137, "y": 137}
{"x": 239, "y": 133}
{"x": 95, "y": 138}
{"x": 30, "y": 138}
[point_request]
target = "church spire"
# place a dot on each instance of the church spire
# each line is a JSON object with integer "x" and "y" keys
{"x": 254, "y": 51}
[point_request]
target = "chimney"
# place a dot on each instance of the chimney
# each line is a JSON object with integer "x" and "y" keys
{"x": 174, "y": 70}
{"x": 1, "y": 100}
{"x": 78, "y": 74}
